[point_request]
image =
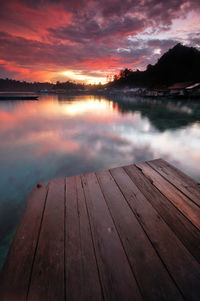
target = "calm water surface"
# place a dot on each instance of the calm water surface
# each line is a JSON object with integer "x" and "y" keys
{"x": 61, "y": 136}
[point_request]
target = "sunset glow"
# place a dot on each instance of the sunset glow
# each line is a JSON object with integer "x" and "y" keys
{"x": 72, "y": 75}
{"x": 85, "y": 41}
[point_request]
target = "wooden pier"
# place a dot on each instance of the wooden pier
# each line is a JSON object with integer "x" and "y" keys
{"x": 129, "y": 233}
{"x": 17, "y": 96}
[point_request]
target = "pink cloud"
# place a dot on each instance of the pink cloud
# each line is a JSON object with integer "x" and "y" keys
{"x": 41, "y": 39}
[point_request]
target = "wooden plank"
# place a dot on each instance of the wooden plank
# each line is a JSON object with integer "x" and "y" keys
{"x": 152, "y": 277}
{"x": 182, "y": 227}
{"x": 178, "y": 199}
{"x": 15, "y": 276}
{"x": 82, "y": 280}
{"x": 47, "y": 282}
{"x": 183, "y": 182}
{"x": 117, "y": 279}
{"x": 183, "y": 268}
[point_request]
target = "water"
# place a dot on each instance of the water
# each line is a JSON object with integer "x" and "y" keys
{"x": 61, "y": 136}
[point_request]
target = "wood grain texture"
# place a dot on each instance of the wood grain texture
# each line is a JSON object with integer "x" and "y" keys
{"x": 82, "y": 280}
{"x": 181, "y": 226}
{"x": 129, "y": 233}
{"x": 181, "y": 265}
{"x": 178, "y": 199}
{"x": 117, "y": 279}
{"x": 153, "y": 279}
{"x": 47, "y": 282}
{"x": 183, "y": 182}
{"x": 16, "y": 273}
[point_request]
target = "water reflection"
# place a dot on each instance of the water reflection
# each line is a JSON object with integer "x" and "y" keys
{"x": 62, "y": 136}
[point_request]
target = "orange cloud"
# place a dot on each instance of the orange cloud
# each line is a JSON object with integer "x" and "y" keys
{"x": 42, "y": 39}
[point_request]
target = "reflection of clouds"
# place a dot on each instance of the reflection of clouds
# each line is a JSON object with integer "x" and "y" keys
{"x": 48, "y": 139}
{"x": 92, "y": 130}
{"x": 184, "y": 109}
{"x": 180, "y": 147}
{"x": 55, "y": 142}
{"x": 85, "y": 106}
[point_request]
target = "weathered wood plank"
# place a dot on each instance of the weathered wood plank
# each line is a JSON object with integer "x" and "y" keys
{"x": 16, "y": 273}
{"x": 183, "y": 268}
{"x": 152, "y": 277}
{"x": 182, "y": 227}
{"x": 183, "y": 182}
{"x": 117, "y": 279}
{"x": 126, "y": 234}
{"x": 185, "y": 205}
{"x": 82, "y": 280}
{"x": 47, "y": 282}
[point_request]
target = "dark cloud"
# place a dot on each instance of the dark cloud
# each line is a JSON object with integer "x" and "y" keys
{"x": 90, "y": 30}
{"x": 88, "y": 36}
{"x": 5, "y": 73}
{"x": 24, "y": 51}
{"x": 161, "y": 43}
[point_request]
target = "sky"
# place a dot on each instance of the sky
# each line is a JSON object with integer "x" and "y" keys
{"x": 90, "y": 40}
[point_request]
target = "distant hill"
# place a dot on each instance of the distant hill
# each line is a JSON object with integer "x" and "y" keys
{"x": 15, "y": 85}
{"x": 179, "y": 64}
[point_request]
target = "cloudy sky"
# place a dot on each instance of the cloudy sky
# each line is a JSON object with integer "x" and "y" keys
{"x": 87, "y": 40}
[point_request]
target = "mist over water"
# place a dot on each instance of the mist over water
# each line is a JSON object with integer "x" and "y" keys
{"x": 60, "y": 136}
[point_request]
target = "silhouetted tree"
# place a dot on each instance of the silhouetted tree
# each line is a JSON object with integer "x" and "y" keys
{"x": 179, "y": 64}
